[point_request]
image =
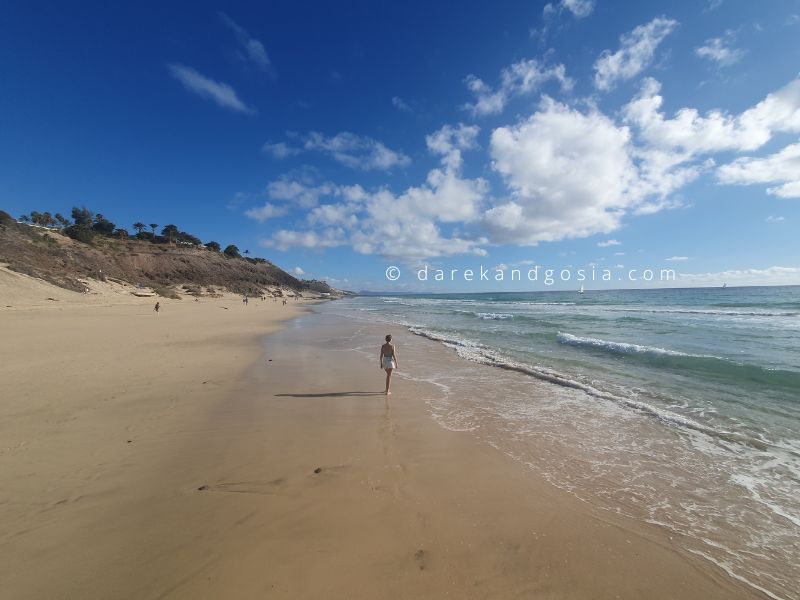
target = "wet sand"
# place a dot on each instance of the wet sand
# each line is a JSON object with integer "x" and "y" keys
{"x": 183, "y": 456}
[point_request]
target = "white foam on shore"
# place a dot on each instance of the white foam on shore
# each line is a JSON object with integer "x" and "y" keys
{"x": 750, "y": 484}
{"x": 725, "y": 566}
{"x": 473, "y": 351}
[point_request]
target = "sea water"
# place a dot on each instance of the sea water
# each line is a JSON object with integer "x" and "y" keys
{"x": 680, "y": 407}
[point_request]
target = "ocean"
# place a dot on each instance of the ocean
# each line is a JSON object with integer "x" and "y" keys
{"x": 680, "y": 407}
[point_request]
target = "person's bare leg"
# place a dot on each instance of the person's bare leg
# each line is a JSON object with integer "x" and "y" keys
{"x": 388, "y": 381}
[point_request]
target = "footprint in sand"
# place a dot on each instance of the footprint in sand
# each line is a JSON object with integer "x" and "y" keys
{"x": 421, "y": 557}
{"x": 266, "y": 488}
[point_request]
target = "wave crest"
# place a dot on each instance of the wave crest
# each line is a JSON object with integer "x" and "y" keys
{"x": 620, "y": 347}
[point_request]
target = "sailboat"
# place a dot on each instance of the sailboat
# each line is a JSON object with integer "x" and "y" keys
{"x": 581, "y": 289}
{"x": 724, "y": 285}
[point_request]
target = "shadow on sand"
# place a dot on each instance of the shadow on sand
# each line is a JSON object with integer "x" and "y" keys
{"x": 332, "y": 394}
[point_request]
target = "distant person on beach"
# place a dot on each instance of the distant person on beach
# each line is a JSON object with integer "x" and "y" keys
{"x": 388, "y": 362}
{"x": 157, "y": 307}
{"x": 244, "y": 300}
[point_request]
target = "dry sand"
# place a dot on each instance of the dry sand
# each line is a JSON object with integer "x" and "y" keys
{"x": 174, "y": 456}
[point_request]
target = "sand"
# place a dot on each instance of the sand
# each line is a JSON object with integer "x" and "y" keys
{"x": 184, "y": 455}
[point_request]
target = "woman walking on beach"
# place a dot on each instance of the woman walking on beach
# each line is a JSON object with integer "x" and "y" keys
{"x": 388, "y": 361}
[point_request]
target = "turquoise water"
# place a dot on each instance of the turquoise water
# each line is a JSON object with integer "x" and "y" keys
{"x": 700, "y": 387}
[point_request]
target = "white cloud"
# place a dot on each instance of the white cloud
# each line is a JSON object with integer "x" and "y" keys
{"x": 300, "y": 192}
{"x": 298, "y": 271}
{"x": 772, "y": 219}
{"x": 352, "y": 150}
{"x": 676, "y": 258}
{"x": 769, "y": 276}
{"x": 356, "y": 151}
{"x": 254, "y": 50}
{"x": 636, "y": 51}
{"x": 268, "y": 211}
{"x": 670, "y": 146}
{"x": 578, "y": 8}
{"x": 570, "y": 174}
{"x": 412, "y": 225}
{"x": 782, "y": 168}
{"x": 660, "y": 174}
{"x": 518, "y": 79}
{"x": 448, "y": 142}
{"x": 221, "y": 93}
{"x": 573, "y": 174}
{"x": 330, "y": 215}
{"x": 280, "y": 149}
{"x": 401, "y": 104}
{"x": 720, "y": 51}
{"x": 690, "y": 133}
{"x": 608, "y": 243}
{"x": 285, "y": 239}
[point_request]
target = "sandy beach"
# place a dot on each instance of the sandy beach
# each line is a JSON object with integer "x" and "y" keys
{"x": 191, "y": 455}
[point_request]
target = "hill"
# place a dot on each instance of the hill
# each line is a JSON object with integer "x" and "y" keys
{"x": 169, "y": 269}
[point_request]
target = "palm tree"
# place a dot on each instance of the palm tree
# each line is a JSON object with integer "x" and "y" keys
{"x": 139, "y": 227}
{"x": 170, "y": 232}
{"x": 153, "y": 226}
{"x": 61, "y": 220}
{"x": 82, "y": 216}
{"x": 231, "y": 251}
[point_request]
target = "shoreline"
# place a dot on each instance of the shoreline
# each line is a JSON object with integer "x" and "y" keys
{"x": 217, "y": 494}
{"x": 639, "y": 525}
{"x": 644, "y": 553}
{"x": 722, "y": 496}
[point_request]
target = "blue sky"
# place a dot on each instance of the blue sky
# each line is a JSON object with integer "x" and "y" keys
{"x": 341, "y": 138}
